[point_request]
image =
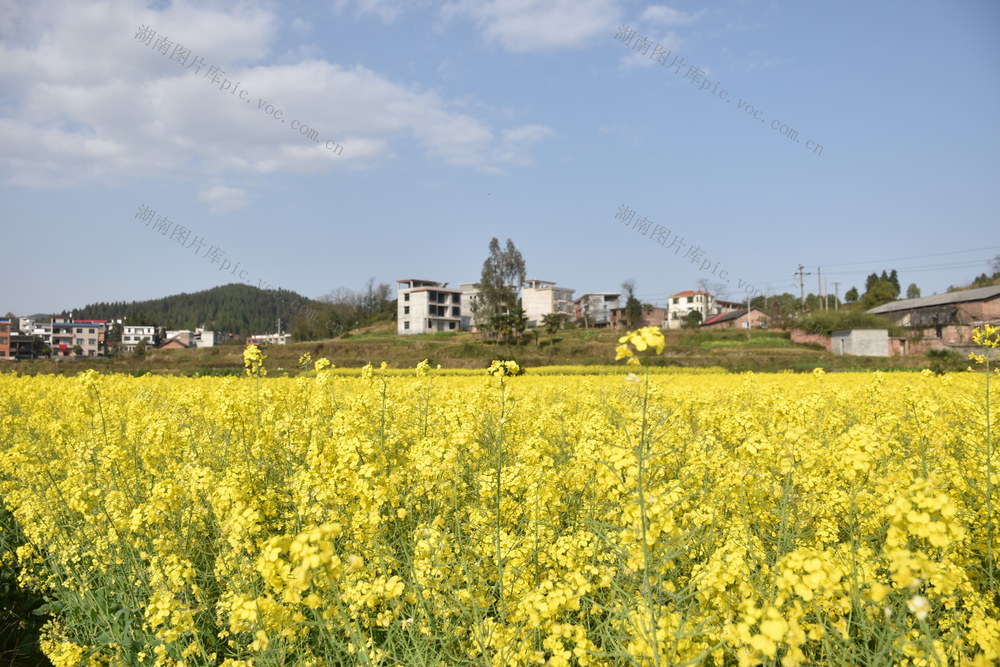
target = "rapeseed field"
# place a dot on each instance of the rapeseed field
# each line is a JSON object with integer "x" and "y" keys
{"x": 506, "y": 519}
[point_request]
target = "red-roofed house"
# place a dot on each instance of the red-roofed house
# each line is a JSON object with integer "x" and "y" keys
{"x": 738, "y": 319}
{"x": 682, "y": 304}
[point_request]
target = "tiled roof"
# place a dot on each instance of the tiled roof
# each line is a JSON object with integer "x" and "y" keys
{"x": 963, "y": 296}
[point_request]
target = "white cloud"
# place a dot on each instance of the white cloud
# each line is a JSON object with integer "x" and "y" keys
{"x": 666, "y": 16}
{"x": 538, "y": 25}
{"x": 127, "y": 112}
{"x": 517, "y": 142}
{"x": 221, "y": 199}
{"x": 670, "y": 40}
{"x": 386, "y": 10}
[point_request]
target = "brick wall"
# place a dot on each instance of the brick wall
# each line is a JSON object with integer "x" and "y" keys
{"x": 803, "y": 336}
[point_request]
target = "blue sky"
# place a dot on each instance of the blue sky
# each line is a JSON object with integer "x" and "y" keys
{"x": 462, "y": 120}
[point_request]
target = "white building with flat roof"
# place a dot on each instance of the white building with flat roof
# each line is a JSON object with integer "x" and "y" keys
{"x": 594, "y": 308}
{"x": 207, "y": 338}
{"x": 470, "y": 292}
{"x": 266, "y": 339}
{"x": 426, "y": 306}
{"x": 542, "y": 297}
{"x": 133, "y": 335}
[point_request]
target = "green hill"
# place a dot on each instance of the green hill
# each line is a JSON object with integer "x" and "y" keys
{"x": 235, "y": 308}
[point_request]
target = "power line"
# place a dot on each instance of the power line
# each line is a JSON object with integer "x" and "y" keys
{"x": 897, "y": 259}
{"x": 927, "y": 267}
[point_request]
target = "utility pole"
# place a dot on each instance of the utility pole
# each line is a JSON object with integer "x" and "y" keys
{"x": 819, "y": 288}
{"x": 826, "y": 295}
{"x": 836, "y": 295}
{"x": 802, "y": 284}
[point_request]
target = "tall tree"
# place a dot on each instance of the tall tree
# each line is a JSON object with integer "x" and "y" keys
{"x": 633, "y": 308}
{"x": 551, "y": 322}
{"x": 894, "y": 279}
{"x": 881, "y": 292}
{"x": 913, "y": 292}
{"x": 502, "y": 276}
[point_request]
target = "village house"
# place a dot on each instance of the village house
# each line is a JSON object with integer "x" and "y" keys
{"x": 541, "y": 297}
{"x": 425, "y": 306}
{"x": 5, "y": 333}
{"x": 652, "y": 316}
{"x": 594, "y": 308}
{"x": 738, "y": 319}
{"x": 943, "y": 319}
{"x": 682, "y": 304}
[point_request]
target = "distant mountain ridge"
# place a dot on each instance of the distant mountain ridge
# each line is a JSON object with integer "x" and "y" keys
{"x": 236, "y": 308}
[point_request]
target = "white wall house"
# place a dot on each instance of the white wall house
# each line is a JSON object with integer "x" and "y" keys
{"x": 594, "y": 308}
{"x": 425, "y": 306}
{"x": 683, "y": 303}
{"x": 541, "y": 297}
{"x": 206, "y": 338}
{"x": 269, "y": 339}
{"x": 680, "y": 305}
{"x": 470, "y": 291}
{"x": 133, "y": 335}
{"x": 44, "y": 331}
{"x": 861, "y": 342}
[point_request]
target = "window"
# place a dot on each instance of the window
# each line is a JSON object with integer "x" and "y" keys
{"x": 406, "y": 325}
{"x": 451, "y": 325}
{"x": 690, "y": 299}
{"x": 90, "y": 331}
{"x": 79, "y": 341}
{"x": 676, "y": 301}
{"x": 79, "y": 330}
{"x": 406, "y": 297}
{"x": 456, "y": 298}
{"x": 91, "y": 341}
{"x": 406, "y": 310}
{"x": 456, "y": 311}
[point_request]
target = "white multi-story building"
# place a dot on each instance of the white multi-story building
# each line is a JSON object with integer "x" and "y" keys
{"x": 682, "y": 304}
{"x": 541, "y": 297}
{"x": 424, "y": 306}
{"x": 594, "y": 308}
{"x": 44, "y": 331}
{"x": 470, "y": 292}
{"x": 26, "y": 325}
{"x": 206, "y": 338}
{"x": 269, "y": 339}
{"x": 132, "y": 335}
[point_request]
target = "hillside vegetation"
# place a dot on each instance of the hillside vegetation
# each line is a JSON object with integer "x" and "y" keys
{"x": 729, "y": 350}
{"x": 235, "y": 308}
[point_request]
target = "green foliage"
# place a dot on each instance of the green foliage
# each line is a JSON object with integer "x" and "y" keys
{"x": 693, "y": 319}
{"x": 880, "y": 289}
{"x": 19, "y": 622}
{"x": 835, "y": 320}
{"x": 851, "y": 295}
{"x": 502, "y": 276}
{"x": 234, "y": 308}
{"x": 946, "y": 361}
{"x": 633, "y": 308}
{"x": 913, "y": 292}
